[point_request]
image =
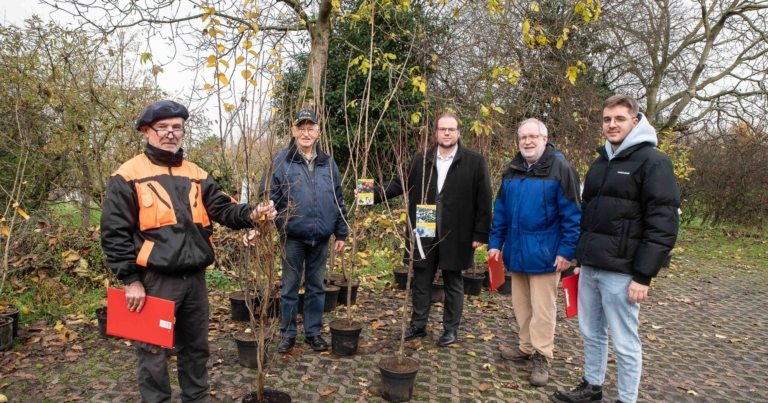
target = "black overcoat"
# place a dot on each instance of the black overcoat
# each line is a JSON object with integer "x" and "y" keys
{"x": 463, "y": 207}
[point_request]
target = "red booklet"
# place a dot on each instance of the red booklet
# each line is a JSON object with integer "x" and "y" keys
{"x": 495, "y": 273}
{"x": 153, "y": 325}
{"x": 571, "y": 295}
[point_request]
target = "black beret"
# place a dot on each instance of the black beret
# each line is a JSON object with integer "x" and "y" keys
{"x": 161, "y": 110}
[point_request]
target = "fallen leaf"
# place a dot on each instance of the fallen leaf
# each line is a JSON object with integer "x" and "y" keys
{"x": 305, "y": 378}
{"x": 469, "y": 336}
{"x": 484, "y": 386}
{"x": 98, "y": 387}
{"x": 651, "y": 337}
{"x": 328, "y": 391}
{"x": 720, "y": 336}
{"x": 472, "y": 353}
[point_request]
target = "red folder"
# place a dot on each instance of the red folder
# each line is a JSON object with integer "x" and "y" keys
{"x": 571, "y": 295}
{"x": 153, "y": 325}
{"x": 495, "y": 273}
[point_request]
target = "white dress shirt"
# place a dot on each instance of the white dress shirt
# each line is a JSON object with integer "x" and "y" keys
{"x": 442, "y": 165}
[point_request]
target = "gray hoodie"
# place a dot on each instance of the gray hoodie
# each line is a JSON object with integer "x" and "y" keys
{"x": 642, "y": 133}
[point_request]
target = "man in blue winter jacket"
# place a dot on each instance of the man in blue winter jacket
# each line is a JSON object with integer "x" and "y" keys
{"x": 536, "y": 221}
{"x": 306, "y": 187}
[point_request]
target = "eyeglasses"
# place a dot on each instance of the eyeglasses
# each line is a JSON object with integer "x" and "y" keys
{"x": 532, "y": 137}
{"x": 449, "y": 130}
{"x": 309, "y": 130}
{"x": 165, "y": 132}
{"x": 619, "y": 120}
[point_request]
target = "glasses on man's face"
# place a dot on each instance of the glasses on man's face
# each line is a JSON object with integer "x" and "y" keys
{"x": 163, "y": 132}
{"x": 449, "y": 130}
{"x": 309, "y": 130}
{"x": 619, "y": 120}
{"x": 532, "y": 137}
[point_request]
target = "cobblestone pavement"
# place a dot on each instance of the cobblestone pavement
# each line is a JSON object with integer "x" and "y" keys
{"x": 703, "y": 330}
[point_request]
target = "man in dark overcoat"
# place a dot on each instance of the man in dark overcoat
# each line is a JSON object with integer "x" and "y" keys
{"x": 454, "y": 180}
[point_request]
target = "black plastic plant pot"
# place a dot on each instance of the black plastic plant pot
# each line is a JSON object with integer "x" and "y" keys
{"x": 343, "y": 292}
{"x": 246, "y": 350}
{"x": 345, "y": 336}
{"x": 401, "y": 278}
{"x": 397, "y": 379}
{"x": 13, "y": 313}
{"x": 438, "y": 292}
{"x": 331, "y": 298}
{"x": 101, "y": 318}
{"x": 333, "y": 279}
{"x": 238, "y": 308}
{"x": 506, "y": 288}
{"x": 473, "y": 283}
{"x": 6, "y": 332}
{"x": 270, "y": 396}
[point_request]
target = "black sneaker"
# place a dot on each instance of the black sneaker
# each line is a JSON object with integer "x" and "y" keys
{"x": 582, "y": 393}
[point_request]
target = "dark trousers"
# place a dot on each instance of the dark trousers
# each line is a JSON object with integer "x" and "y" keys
{"x": 310, "y": 260}
{"x": 190, "y": 338}
{"x": 422, "y": 295}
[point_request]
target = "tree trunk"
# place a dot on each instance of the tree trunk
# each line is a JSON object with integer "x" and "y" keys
{"x": 320, "y": 33}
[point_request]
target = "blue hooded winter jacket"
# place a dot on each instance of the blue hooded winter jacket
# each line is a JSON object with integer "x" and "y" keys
{"x": 536, "y": 214}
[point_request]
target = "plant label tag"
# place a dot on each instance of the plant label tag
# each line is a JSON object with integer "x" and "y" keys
{"x": 365, "y": 192}
{"x": 426, "y": 218}
{"x": 165, "y": 324}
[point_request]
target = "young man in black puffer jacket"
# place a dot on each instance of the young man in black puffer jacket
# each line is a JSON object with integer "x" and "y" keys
{"x": 629, "y": 224}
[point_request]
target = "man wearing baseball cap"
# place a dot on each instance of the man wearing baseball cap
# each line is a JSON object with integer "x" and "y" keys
{"x": 156, "y": 234}
{"x": 305, "y": 185}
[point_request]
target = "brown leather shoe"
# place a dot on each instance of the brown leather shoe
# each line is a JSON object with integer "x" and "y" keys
{"x": 515, "y": 354}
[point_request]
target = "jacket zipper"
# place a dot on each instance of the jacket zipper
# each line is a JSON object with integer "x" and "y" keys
{"x": 149, "y": 185}
{"x": 197, "y": 193}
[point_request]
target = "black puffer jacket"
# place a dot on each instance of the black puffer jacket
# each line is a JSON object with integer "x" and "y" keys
{"x": 629, "y": 218}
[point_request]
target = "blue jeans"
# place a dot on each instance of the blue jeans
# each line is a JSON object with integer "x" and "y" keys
{"x": 604, "y": 303}
{"x": 309, "y": 259}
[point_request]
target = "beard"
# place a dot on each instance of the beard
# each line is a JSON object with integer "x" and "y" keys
{"x": 443, "y": 144}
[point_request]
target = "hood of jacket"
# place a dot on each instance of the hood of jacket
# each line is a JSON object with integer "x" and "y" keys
{"x": 642, "y": 133}
{"x": 540, "y": 167}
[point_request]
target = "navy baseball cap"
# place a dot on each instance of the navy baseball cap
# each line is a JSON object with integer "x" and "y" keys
{"x": 304, "y": 115}
{"x": 161, "y": 110}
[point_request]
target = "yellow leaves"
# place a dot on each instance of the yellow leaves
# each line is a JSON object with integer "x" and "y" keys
{"x": 247, "y": 45}
{"x": 145, "y": 57}
{"x": 571, "y": 74}
{"x": 220, "y": 48}
{"x": 22, "y": 213}
{"x": 390, "y": 56}
{"x": 352, "y": 105}
{"x": 534, "y": 7}
{"x": 386, "y": 104}
{"x": 456, "y": 13}
{"x": 484, "y": 111}
{"x": 526, "y": 27}
{"x": 336, "y": 4}
{"x": 559, "y": 43}
{"x": 66, "y": 334}
{"x": 542, "y": 40}
{"x": 228, "y": 107}
{"x": 246, "y": 74}
{"x": 651, "y": 337}
{"x": 224, "y": 63}
{"x": 208, "y": 87}
{"x": 212, "y": 60}
{"x": 590, "y": 10}
{"x": 5, "y": 230}
{"x": 245, "y": 4}
{"x": 419, "y": 84}
{"x": 582, "y": 66}
{"x": 70, "y": 256}
{"x": 415, "y": 118}
{"x": 472, "y": 353}
{"x": 239, "y": 59}
{"x": 255, "y": 27}
{"x": 223, "y": 79}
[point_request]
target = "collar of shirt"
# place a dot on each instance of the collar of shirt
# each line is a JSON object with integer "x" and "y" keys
{"x": 450, "y": 157}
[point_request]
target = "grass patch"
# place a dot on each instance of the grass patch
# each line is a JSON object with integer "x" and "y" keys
{"x": 722, "y": 246}
{"x": 68, "y": 214}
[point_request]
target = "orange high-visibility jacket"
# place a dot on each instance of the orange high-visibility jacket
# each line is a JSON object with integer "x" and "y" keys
{"x": 157, "y": 214}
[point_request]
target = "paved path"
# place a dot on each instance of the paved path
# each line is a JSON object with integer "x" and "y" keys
{"x": 704, "y": 331}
